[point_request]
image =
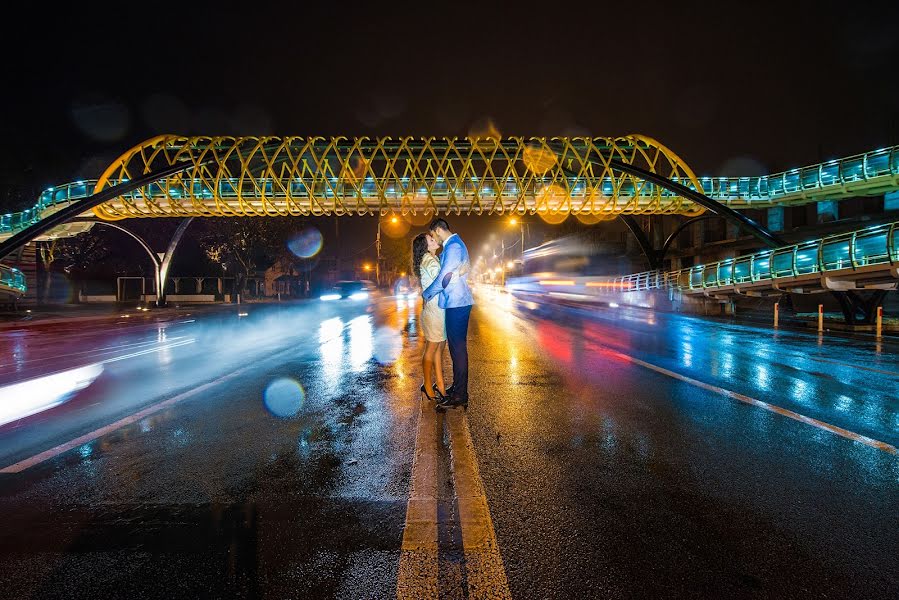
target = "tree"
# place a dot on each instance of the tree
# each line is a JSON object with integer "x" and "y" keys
{"x": 396, "y": 255}
{"x": 242, "y": 245}
{"x": 81, "y": 256}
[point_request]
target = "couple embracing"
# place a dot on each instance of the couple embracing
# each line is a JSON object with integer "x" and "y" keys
{"x": 446, "y": 308}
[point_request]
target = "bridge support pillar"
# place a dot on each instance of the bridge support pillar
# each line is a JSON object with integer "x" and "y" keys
{"x": 162, "y": 268}
{"x": 827, "y": 211}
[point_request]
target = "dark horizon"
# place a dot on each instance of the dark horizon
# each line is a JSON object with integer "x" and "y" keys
{"x": 736, "y": 90}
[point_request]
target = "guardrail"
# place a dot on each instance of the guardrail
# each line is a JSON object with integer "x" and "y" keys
{"x": 50, "y": 198}
{"x": 12, "y": 279}
{"x": 850, "y": 251}
{"x": 849, "y": 171}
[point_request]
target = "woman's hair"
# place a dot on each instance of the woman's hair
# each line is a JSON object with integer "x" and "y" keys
{"x": 419, "y": 249}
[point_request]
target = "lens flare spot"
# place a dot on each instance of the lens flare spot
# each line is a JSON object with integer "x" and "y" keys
{"x": 538, "y": 160}
{"x": 394, "y": 226}
{"x": 306, "y": 244}
{"x": 553, "y": 204}
{"x": 421, "y": 217}
{"x": 284, "y": 397}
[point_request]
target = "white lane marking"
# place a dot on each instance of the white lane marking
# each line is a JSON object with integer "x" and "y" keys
{"x": 485, "y": 574}
{"x": 761, "y": 404}
{"x": 851, "y": 366}
{"x": 103, "y": 350}
{"x": 419, "y": 566}
{"x": 150, "y": 351}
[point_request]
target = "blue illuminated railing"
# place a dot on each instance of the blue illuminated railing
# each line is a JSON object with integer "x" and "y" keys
{"x": 869, "y": 173}
{"x": 51, "y": 198}
{"x": 11, "y": 278}
{"x": 854, "y": 172}
{"x": 850, "y": 251}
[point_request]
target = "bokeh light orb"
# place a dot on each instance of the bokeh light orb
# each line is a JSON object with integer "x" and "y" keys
{"x": 538, "y": 160}
{"x": 306, "y": 244}
{"x": 284, "y": 397}
{"x": 552, "y": 204}
{"x": 420, "y": 218}
{"x": 394, "y": 226}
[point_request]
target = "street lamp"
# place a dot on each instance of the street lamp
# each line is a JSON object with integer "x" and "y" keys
{"x": 514, "y": 221}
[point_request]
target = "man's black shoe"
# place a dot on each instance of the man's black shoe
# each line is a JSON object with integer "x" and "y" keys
{"x": 453, "y": 400}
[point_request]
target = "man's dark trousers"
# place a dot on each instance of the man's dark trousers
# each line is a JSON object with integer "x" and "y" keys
{"x": 457, "y": 338}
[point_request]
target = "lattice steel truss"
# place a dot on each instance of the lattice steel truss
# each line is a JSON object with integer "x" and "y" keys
{"x": 278, "y": 176}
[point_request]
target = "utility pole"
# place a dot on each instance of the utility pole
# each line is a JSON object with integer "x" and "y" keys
{"x": 337, "y": 243}
{"x": 378, "y": 250}
{"x": 502, "y": 262}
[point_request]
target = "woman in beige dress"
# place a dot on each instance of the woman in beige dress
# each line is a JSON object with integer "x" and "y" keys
{"x": 433, "y": 326}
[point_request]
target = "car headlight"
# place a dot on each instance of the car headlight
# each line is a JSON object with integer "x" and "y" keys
{"x": 359, "y": 296}
{"x": 330, "y": 297}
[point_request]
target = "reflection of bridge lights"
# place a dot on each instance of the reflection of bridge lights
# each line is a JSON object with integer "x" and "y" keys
{"x": 361, "y": 346}
{"x": 763, "y": 377}
{"x": 388, "y": 343}
{"x": 330, "y": 339}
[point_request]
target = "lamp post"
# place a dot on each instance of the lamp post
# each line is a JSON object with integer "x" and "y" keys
{"x": 378, "y": 258}
{"x": 393, "y": 221}
{"x": 516, "y": 221}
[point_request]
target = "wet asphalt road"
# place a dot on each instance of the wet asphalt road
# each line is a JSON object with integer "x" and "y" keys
{"x": 271, "y": 455}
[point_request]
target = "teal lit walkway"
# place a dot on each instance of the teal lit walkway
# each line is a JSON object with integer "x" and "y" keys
{"x": 871, "y": 173}
{"x": 848, "y": 261}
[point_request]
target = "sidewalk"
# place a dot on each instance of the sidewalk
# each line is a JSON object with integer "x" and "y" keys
{"x": 91, "y": 313}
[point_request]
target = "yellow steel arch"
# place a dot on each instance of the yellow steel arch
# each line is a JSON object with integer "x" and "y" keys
{"x": 279, "y": 176}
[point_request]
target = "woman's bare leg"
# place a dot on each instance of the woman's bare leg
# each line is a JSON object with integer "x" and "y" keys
{"x": 427, "y": 365}
{"x": 438, "y": 366}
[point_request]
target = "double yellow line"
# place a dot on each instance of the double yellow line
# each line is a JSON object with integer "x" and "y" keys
{"x": 419, "y": 559}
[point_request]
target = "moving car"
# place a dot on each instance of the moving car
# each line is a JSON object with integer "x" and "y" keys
{"x": 353, "y": 290}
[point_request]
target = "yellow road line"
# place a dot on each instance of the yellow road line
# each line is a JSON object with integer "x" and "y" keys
{"x": 484, "y": 569}
{"x": 417, "y": 576}
{"x": 761, "y": 404}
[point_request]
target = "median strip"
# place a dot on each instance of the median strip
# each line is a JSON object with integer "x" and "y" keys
{"x": 484, "y": 569}
{"x": 418, "y": 571}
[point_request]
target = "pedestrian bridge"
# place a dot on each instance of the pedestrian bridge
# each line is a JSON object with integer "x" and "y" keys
{"x": 597, "y": 178}
{"x": 362, "y": 176}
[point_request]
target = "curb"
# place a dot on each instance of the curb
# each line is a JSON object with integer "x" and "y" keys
{"x": 140, "y": 318}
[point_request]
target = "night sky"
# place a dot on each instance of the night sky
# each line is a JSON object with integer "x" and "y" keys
{"x": 733, "y": 88}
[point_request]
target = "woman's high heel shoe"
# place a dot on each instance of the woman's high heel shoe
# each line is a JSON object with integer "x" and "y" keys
{"x": 425, "y": 393}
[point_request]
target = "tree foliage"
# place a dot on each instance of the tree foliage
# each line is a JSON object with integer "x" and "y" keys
{"x": 244, "y": 245}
